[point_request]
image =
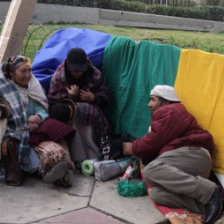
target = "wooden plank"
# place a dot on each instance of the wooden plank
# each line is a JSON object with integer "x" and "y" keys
{"x": 15, "y": 27}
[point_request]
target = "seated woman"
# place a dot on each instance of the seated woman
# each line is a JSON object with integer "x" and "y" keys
{"x": 29, "y": 108}
{"x": 77, "y": 79}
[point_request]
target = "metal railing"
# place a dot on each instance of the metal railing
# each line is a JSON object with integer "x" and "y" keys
{"x": 35, "y": 37}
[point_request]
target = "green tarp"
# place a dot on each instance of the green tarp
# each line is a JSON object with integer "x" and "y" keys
{"x": 131, "y": 70}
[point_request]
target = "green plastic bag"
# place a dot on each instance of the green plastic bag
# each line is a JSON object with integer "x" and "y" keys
{"x": 128, "y": 188}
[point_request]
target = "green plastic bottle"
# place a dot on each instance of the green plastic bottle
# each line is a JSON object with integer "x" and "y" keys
{"x": 133, "y": 188}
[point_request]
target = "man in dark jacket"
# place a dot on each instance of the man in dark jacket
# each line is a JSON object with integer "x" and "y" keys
{"x": 182, "y": 161}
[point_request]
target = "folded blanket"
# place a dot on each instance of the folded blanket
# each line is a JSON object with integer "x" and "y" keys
{"x": 51, "y": 129}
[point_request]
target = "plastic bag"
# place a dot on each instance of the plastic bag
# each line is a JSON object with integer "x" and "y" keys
{"x": 129, "y": 188}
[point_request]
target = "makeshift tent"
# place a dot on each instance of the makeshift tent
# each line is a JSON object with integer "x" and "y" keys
{"x": 132, "y": 69}
{"x": 56, "y": 47}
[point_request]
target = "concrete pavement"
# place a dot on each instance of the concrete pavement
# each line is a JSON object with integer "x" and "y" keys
{"x": 88, "y": 201}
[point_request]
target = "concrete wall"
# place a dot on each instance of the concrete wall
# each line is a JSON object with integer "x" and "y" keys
{"x": 111, "y": 17}
{"x": 45, "y": 13}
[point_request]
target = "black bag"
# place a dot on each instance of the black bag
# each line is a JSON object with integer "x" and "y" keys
{"x": 112, "y": 146}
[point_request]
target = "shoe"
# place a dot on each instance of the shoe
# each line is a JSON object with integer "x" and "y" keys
{"x": 214, "y": 207}
{"x": 2, "y": 171}
{"x": 56, "y": 173}
{"x": 67, "y": 180}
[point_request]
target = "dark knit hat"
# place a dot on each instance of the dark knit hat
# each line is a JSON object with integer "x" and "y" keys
{"x": 60, "y": 111}
{"x": 64, "y": 111}
{"x": 76, "y": 60}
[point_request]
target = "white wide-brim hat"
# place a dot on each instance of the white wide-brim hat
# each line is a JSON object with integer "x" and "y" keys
{"x": 166, "y": 92}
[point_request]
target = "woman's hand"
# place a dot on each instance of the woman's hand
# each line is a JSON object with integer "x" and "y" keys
{"x": 127, "y": 148}
{"x": 33, "y": 122}
{"x": 35, "y": 119}
{"x": 87, "y": 95}
{"x": 32, "y": 126}
{"x": 73, "y": 90}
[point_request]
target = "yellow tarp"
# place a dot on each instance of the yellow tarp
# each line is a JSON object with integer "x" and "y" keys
{"x": 200, "y": 86}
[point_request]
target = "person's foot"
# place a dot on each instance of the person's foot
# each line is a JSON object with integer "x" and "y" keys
{"x": 67, "y": 180}
{"x": 56, "y": 173}
{"x": 214, "y": 207}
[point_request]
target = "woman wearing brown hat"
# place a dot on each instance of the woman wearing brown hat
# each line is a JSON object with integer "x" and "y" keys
{"x": 77, "y": 79}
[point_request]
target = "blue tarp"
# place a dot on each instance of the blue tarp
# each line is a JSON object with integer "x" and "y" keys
{"x": 56, "y": 47}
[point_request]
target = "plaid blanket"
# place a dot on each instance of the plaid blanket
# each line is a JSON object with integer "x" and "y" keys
{"x": 17, "y": 121}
